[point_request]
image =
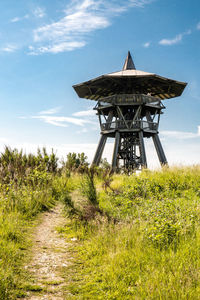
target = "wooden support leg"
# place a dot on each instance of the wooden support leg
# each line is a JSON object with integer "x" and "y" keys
{"x": 99, "y": 151}
{"x": 142, "y": 151}
{"x": 115, "y": 152}
{"x": 102, "y": 142}
{"x": 159, "y": 149}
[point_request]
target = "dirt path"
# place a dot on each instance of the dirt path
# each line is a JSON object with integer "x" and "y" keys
{"x": 49, "y": 257}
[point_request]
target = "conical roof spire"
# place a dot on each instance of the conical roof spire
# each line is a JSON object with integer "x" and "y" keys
{"x": 129, "y": 64}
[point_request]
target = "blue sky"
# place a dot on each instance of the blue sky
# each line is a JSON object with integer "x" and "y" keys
{"x": 47, "y": 46}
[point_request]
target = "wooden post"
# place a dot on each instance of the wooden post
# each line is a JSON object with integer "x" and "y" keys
{"x": 115, "y": 151}
{"x": 102, "y": 142}
{"x": 142, "y": 151}
{"x": 99, "y": 151}
{"x": 159, "y": 149}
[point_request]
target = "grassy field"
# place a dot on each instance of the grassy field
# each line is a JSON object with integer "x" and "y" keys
{"x": 131, "y": 237}
{"x": 142, "y": 239}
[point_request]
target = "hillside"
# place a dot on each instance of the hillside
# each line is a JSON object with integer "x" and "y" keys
{"x": 127, "y": 237}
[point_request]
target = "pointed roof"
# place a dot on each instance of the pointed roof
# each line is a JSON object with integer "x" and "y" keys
{"x": 131, "y": 72}
{"x": 129, "y": 64}
{"x": 130, "y": 81}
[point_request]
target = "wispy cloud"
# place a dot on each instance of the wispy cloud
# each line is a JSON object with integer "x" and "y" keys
{"x": 79, "y": 118}
{"x": 62, "y": 47}
{"x": 83, "y": 130}
{"x": 39, "y": 12}
{"x": 9, "y": 48}
{"x": 18, "y": 19}
{"x": 146, "y": 45}
{"x": 82, "y": 17}
{"x": 50, "y": 111}
{"x": 85, "y": 113}
{"x": 139, "y": 3}
{"x": 177, "y": 39}
{"x": 14, "y": 20}
{"x": 181, "y": 135}
{"x": 198, "y": 26}
{"x": 62, "y": 121}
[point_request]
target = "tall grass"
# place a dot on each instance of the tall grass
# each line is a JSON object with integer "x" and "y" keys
{"x": 152, "y": 250}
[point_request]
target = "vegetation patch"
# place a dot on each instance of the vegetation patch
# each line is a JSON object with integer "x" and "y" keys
{"x": 131, "y": 237}
{"x": 149, "y": 247}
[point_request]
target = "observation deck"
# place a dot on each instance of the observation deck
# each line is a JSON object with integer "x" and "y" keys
{"x": 147, "y": 127}
{"x": 129, "y": 99}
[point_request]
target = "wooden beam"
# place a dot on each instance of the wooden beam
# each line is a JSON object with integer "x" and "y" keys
{"x": 102, "y": 142}
{"x": 142, "y": 151}
{"x": 115, "y": 151}
{"x": 137, "y": 114}
{"x": 99, "y": 151}
{"x": 159, "y": 149}
{"x": 121, "y": 114}
{"x": 100, "y": 122}
{"x": 110, "y": 117}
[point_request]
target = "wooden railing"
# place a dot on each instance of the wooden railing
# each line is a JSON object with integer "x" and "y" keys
{"x": 129, "y": 98}
{"x": 129, "y": 124}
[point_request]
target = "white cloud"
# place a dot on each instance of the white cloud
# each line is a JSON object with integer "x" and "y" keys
{"x": 67, "y": 34}
{"x": 146, "y": 45}
{"x": 168, "y": 42}
{"x": 198, "y": 26}
{"x": 62, "y": 121}
{"x": 85, "y": 113}
{"x": 50, "y": 111}
{"x": 39, "y": 12}
{"x": 82, "y": 17}
{"x": 181, "y": 135}
{"x": 178, "y": 38}
{"x": 62, "y": 47}
{"x": 83, "y": 130}
{"x": 9, "y": 48}
{"x": 48, "y": 116}
{"x": 18, "y": 19}
{"x": 139, "y": 3}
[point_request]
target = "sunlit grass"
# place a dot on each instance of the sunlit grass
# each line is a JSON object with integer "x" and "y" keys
{"x": 150, "y": 248}
{"x": 133, "y": 237}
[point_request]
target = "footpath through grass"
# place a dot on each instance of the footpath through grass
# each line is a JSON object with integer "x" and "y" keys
{"x": 19, "y": 207}
{"x": 138, "y": 237}
{"x": 28, "y": 185}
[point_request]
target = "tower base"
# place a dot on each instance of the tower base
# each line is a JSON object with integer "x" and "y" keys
{"x": 129, "y": 152}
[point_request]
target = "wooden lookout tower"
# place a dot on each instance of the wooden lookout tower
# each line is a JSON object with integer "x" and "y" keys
{"x": 129, "y": 108}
